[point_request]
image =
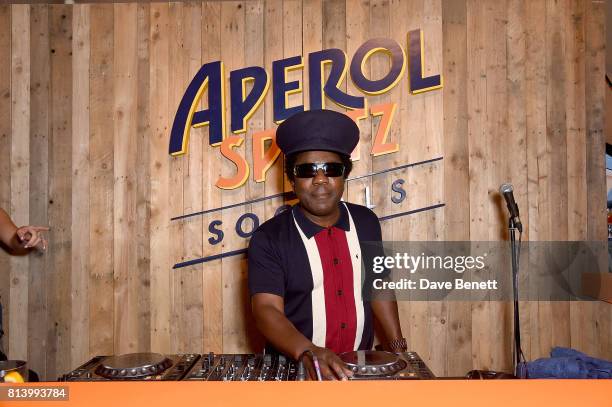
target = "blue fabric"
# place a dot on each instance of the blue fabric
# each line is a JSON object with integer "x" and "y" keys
{"x": 566, "y": 363}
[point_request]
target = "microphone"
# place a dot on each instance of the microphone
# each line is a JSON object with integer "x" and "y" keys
{"x": 508, "y": 192}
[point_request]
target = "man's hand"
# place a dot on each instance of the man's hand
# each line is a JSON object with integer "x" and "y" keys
{"x": 268, "y": 311}
{"x": 332, "y": 367}
{"x": 32, "y": 236}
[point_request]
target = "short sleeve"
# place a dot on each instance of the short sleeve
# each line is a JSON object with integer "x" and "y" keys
{"x": 265, "y": 273}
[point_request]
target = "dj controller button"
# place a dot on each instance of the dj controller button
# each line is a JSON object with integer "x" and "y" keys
{"x": 363, "y": 364}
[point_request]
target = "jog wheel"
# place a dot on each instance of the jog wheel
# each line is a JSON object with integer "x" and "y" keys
{"x": 373, "y": 363}
{"x": 133, "y": 366}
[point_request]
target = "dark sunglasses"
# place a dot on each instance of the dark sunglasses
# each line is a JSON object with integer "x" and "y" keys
{"x": 309, "y": 170}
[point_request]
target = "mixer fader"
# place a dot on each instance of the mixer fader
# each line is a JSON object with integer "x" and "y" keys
{"x": 243, "y": 367}
{"x": 365, "y": 365}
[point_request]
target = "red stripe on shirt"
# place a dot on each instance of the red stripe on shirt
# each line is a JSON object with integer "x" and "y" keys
{"x": 340, "y": 313}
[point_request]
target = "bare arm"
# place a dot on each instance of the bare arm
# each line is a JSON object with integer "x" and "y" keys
{"x": 8, "y": 234}
{"x": 268, "y": 310}
{"x": 20, "y": 240}
{"x": 387, "y": 315}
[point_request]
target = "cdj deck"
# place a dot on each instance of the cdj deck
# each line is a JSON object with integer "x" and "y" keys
{"x": 366, "y": 365}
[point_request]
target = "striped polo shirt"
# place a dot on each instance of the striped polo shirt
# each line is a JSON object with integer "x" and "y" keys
{"x": 318, "y": 273}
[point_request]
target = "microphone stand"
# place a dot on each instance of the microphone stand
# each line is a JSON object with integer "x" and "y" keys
{"x": 517, "y": 354}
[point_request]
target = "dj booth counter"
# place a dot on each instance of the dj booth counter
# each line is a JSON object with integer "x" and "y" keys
{"x": 305, "y": 394}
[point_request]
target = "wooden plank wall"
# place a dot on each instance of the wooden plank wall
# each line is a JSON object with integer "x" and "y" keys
{"x": 87, "y": 97}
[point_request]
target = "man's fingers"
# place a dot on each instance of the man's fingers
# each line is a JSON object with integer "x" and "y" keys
{"x": 40, "y": 228}
{"x": 33, "y": 238}
{"x": 309, "y": 369}
{"x": 33, "y": 242}
{"x": 340, "y": 370}
{"x": 326, "y": 372}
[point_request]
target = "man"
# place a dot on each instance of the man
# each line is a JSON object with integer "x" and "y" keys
{"x": 18, "y": 241}
{"x": 305, "y": 264}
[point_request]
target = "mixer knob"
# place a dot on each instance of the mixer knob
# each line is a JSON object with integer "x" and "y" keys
{"x": 251, "y": 362}
{"x": 282, "y": 360}
{"x": 364, "y": 369}
{"x": 267, "y": 360}
{"x": 373, "y": 369}
{"x": 383, "y": 369}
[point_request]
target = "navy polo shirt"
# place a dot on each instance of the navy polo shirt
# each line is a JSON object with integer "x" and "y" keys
{"x": 318, "y": 272}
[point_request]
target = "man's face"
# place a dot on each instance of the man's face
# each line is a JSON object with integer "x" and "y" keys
{"x": 319, "y": 195}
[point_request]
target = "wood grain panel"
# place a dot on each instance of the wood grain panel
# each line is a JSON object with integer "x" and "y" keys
{"x": 597, "y": 332}
{"x": 212, "y": 282}
{"x": 535, "y": 106}
{"x": 434, "y": 130}
{"x": 479, "y": 166}
{"x": 101, "y": 192}
{"x": 125, "y": 121}
{"x": 517, "y": 120}
{"x": 60, "y": 191}
{"x": 456, "y": 180}
{"x": 191, "y": 281}
{"x": 496, "y": 131}
{"x": 39, "y": 183}
{"x": 177, "y": 80}
{"x": 159, "y": 164}
{"x": 253, "y": 56}
{"x": 143, "y": 185}
{"x": 19, "y": 208}
{"x": 80, "y": 186}
{"x": 273, "y": 51}
{"x": 5, "y": 153}
{"x": 576, "y": 148}
{"x": 233, "y": 268}
{"x": 357, "y": 32}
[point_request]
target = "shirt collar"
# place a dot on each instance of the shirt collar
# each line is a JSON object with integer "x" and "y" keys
{"x": 310, "y": 228}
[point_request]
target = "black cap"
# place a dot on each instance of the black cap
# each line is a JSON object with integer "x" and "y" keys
{"x": 324, "y": 130}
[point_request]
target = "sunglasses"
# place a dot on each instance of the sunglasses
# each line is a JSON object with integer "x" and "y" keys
{"x": 309, "y": 170}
